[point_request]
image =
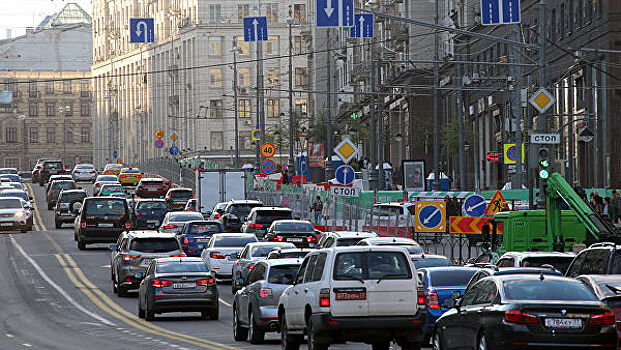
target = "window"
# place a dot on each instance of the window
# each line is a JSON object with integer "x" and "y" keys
{"x": 11, "y": 162}
{"x": 11, "y": 134}
{"x": 300, "y": 76}
{"x": 321, "y": 263}
{"x": 215, "y": 45}
{"x": 215, "y": 109}
{"x": 244, "y": 108}
{"x": 245, "y": 141}
{"x": 33, "y": 109}
{"x": 34, "y": 134}
{"x": 300, "y": 106}
{"x": 69, "y": 136}
{"x": 50, "y": 109}
{"x": 85, "y": 108}
{"x": 372, "y": 265}
{"x": 49, "y": 87}
{"x": 32, "y": 86}
{"x": 51, "y": 135}
{"x": 86, "y": 135}
{"x": 504, "y": 262}
{"x": 215, "y": 77}
{"x": 216, "y": 140}
{"x": 215, "y": 13}
{"x": 271, "y": 11}
{"x": 272, "y": 45}
{"x": 243, "y": 76}
{"x": 85, "y": 88}
{"x": 273, "y": 107}
{"x": 299, "y": 13}
{"x": 300, "y": 276}
{"x": 299, "y": 46}
{"x": 272, "y": 76}
{"x": 66, "y": 86}
{"x": 242, "y": 11}
{"x": 308, "y": 275}
{"x": 68, "y": 108}
{"x": 244, "y": 47}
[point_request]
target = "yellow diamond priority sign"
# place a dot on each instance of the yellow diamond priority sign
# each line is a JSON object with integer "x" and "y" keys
{"x": 174, "y": 137}
{"x": 346, "y": 150}
{"x": 542, "y": 100}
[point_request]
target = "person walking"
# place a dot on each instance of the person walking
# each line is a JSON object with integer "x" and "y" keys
{"x": 316, "y": 210}
{"x": 615, "y": 207}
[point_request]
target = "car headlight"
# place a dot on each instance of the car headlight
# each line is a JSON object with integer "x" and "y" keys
{"x": 20, "y": 214}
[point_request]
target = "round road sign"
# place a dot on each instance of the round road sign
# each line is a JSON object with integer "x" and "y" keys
{"x": 159, "y": 133}
{"x": 268, "y": 150}
{"x": 268, "y": 166}
{"x": 159, "y": 144}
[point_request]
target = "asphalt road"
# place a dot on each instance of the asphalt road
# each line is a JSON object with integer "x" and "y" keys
{"x": 57, "y": 297}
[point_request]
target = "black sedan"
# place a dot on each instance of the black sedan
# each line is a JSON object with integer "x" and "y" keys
{"x": 299, "y": 232}
{"x": 526, "y": 312}
{"x": 178, "y": 284}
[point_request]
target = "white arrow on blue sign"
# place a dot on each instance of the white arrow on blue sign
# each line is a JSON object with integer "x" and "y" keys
{"x": 344, "y": 174}
{"x": 255, "y": 29}
{"x": 474, "y": 205}
{"x": 363, "y": 26}
{"x": 141, "y": 30}
{"x": 495, "y": 12}
{"x": 335, "y": 13}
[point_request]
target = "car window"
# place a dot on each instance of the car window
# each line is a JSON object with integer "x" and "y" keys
{"x": 486, "y": 294}
{"x": 266, "y": 217}
{"x": 112, "y": 188}
{"x": 371, "y": 265}
{"x": 257, "y": 274}
{"x": 64, "y": 185}
{"x": 450, "y": 278}
{"x": 105, "y": 207}
{"x": 560, "y": 263}
{"x": 308, "y": 276}
{"x": 411, "y": 248}
{"x": 152, "y": 205}
{"x": 477, "y": 277}
{"x": 596, "y": 262}
{"x": 244, "y": 253}
{"x": 154, "y": 245}
{"x": 185, "y": 217}
{"x": 576, "y": 265}
{"x": 53, "y": 165}
{"x": 19, "y": 194}
{"x": 261, "y": 251}
{"x": 184, "y": 266}
{"x": 328, "y": 242}
{"x": 347, "y": 242}
{"x": 233, "y": 242}
{"x": 616, "y": 263}
{"x": 282, "y": 274}
{"x": 294, "y": 227}
{"x": 204, "y": 228}
{"x": 181, "y": 194}
{"x": 319, "y": 267}
{"x": 72, "y": 197}
{"x": 506, "y": 262}
{"x": 152, "y": 182}
{"x": 300, "y": 276}
{"x": 469, "y": 295}
{"x": 430, "y": 262}
{"x": 547, "y": 290}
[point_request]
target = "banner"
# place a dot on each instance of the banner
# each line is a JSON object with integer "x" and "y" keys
{"x": 316, "y": 155}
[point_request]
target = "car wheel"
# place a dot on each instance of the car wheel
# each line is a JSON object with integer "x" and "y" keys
{"x": 288, "y": 341}
{"x": 23, "y": 229}
{"x": 381, "y": 345}
{"x": 482, "y": 343}
{"x": 436, "y": 340}
{"x": 256, "y": 334}
{"x": 121, "y": 291}
{"x": 140, "y": 309}
{"x": 49, "y": 206}
{"x": 315, "y": 342}
{"x": 81, "y": 245}
{"x": 239, "y": 333}
{"x": 149, "y": 314}
{"x": 58, "y": 224}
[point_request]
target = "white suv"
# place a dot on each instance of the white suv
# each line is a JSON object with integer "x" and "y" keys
{"x": 359, "y": 294}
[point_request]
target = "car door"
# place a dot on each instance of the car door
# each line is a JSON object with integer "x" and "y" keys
{"x": 313, "y": 279}
{"x": 475, "y": 313}
{"x": 575, "y": 268}
{"x": 453, "y": 325}
{"x": 296, "y": 300}
{"x": 246, "y": 294}
{"x": 240, "y": 263}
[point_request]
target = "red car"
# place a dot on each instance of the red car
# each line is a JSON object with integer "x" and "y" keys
{"x": 152, "y": 187}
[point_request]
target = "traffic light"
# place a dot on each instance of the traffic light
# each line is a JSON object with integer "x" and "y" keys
{"x": 544, "y": 163}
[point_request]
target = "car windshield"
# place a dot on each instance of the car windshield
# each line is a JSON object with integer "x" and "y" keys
{"x": 185, "y": 217}
{"x": 64, "y": 185}
{"x": 19, "y": 194}
{"x": 107, "y": 178}
{"x": 266, "y": 217}
{"x": 112, "y": 188}
{"x": 151, "y": 205}
{"x": 282, "y": 274}
{"x": 180, "y": 267}
{"x": 451, "y": 278}
{"x": 181, "y": 194}
{"x": 10, "y": 203}
{"x": 204, "y": 228}
{"x": 559, "y": 263}
{"x": 105, "y": 207}
{"x": 547, "y": 290}
{"x": 371, "y": 265}
{"x": 85, "y": 167}
{"x": 233, "y": 242}
{"x": 154, "y": 245}
{"x": 294, "y": 227}
{"x": 346, "y": 242}
{"x": 242, "y": 210}
{"x": 430, "y": 262}
{"x": 72, "y": 197}
{"x": 11, "y": 177}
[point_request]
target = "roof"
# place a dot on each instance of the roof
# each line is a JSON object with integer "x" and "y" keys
{"x": 523, "y": 271}
{"x": 532, "y": 277}
{"x": 150, "y": 234}
{"x": 72, "y": 13}
{"x": 291, "y": 222}
{"x": 152, "y": 179}
{"x": 73, "y": 190}
{"x": 180, "y": 189}
{"x": 244, "y": 201}
{"x": 233, "y": 234}
{"x": 528, "y": 254}
{"x": 293, "y": 250}
{"x": 366, "y": 248}
{"x": 272, "y": 244}
{"x": 203, "y": 222}
{"x": 391, "y": 240}
{"x": 394, "y": 204}
{"x": 426, "y": 256}
{"x": 270, "y": 208}
{"x": 150, "y": 200}
{"x": 603, "y": 278}
{"x": 280, "y": 262}
{"x": 350, "y": 234}
{"x": 448, "y": 269}
{"x": 180, "y": 259}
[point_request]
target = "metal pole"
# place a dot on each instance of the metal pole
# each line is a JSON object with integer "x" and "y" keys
{"x": 436, "y": 119}
{"x": 570, "y": 133}
{"x": 291, "y": 164}
{"x": 329, "y": 170}
{"x": 380, "y": 127}
{"x": 516, "y": 107}
{"x": 373, "y": 148}
{"x": 460, "y": 115}
{"x": 235, "y": 98}
{"x": 604, "y": 117}
{"x": 543, "y": 119}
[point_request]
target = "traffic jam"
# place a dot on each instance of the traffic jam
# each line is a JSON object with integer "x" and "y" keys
{"x": 291, "y": 281}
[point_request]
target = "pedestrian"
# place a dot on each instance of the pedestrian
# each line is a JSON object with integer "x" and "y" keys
{"x": 615, "y": 207}
{"x": 606, "y": 208}
{"x": 599, "y": 202}
{"x": 316, "y": 211}
{"x": 298, "y": 208}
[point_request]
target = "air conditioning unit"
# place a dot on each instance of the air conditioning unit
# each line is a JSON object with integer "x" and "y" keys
{"x": 243, "y": 90}
{"x": 247, "y": 122}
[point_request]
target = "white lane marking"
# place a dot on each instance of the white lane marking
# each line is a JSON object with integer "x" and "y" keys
{"x": 9, "y": 335}
{"x": 56, "y": 286}
{"x": 106, "y": 266}
{"x": 225, "y": 303}
{"x": 27, "y": 345}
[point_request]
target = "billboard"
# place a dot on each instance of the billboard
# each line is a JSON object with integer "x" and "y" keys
{"x": 413, "y": 175}
{"x": 316, "y": 155}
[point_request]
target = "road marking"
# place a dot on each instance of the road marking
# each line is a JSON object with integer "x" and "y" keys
{"x": 224, "y": 302}
{"x": 54, "y": 285}
{"x": 27, "y": 345}
{"x": 37, "y": 214}
{"x": 9, "y": 335}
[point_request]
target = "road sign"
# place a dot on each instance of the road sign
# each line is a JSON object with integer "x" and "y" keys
{"x": 256, "y": 134}
{"x": 302, "y": 140}
{"x": 345, "y": 191}
{"x": 174, "y": 137}
{"x": 141, "y": 30}
{"x": 542, "y": 100}
{"x": 493, "y": 156}
{"x": 363, "y": 26}
{"x": 346, "y": 150}
{"x": 545, "y": 139}
{"x": 471, "y": 225}
{"x": 302, "y": 164}
{"x": 474, "y": 205}
{"x": 255, "y": 29}
{"x": 344, "y": 175}
{"x": 268, "y": 166}
{"x": 495, "y": 12}
{"x": 268, "y": 150}
{"x": 430, "y": 216}
{"x": 510, "y": 153}
{"x": 159, "y": 144}
{"x": 159, "y": 133}
{"x": 334, "y": 13}
{"x": 496, "y": 205}
{"x": 174, "y": 150}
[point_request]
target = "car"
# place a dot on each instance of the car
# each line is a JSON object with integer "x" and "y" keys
{"x": 101, "y": 220}
{"x": 244, "y": 261}
{"x": 49, "y": 168}
{"x": 104, "y": 180}
{"x": 64, "y": 210}
{"x": 35, "y": 173}
{"x": 606, "y": 288}
{"x": 430, "y": 260}
{"x": 343, "y": 238}
{"x": 439, "y": 284}
{"x": 598, "y": 259}
{"x": 182, "y": 284}
{"x": 526, "y": 312}
{"x": 260, "y": 218}
{"x": 55, "y": 187}
{"x": 84, "y": 172}
{"x": 152, "y": 187}
{"x": 255, "y": 307}
{"x": 133, "y": 253}
{"x": 16, "y": 193}
{"x": 112, "y": 169}
{"x": 13, "y": 215}
{"x": 109, "y": 188}
{"x": 236, "y": 212}
{"x": 219, "y": 254}
{"x": 217, "y": 210}
{"x": 191, "y": 205}
{"x": 299, "y": 232}
{"x": 363, "y": 294}
{"x": 12, "y": 177}
{"x": 18, "y": 186}
{"x": 297, "y": 253}
{"x": 130, "y": 176}
{"x": 493, "y": 270}
{"x": 411, "y": 245}
{"x": 559, "y": 260}
{"x": 149, "y": 213}
{"x": 8, "y": 171}
{"x": 174, "y": 220}
{"x": 177, "y": 198}
{"x": 194, "y": 235}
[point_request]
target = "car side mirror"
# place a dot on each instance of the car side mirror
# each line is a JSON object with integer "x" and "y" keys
{"x": 31, "y": 198}
{"x": 112, "y": 247}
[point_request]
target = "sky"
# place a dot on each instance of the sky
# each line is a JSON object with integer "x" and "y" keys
{"x": 19, "y": 14}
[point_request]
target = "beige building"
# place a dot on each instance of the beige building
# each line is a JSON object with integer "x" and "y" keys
{"x": 45, "y": 92}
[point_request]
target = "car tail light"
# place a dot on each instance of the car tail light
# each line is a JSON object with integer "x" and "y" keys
{"x": 250, "y": 267}
{"x": 83, "y": 224}
{"x": 128, "y": 257}
{"x": 517, "y": 316}
{"x": 167, "y": 198}
{"x": 206, "y": 282}
{"x": 168, "y": 227}
{"x": 256, "y": 225}
{"x": 97, "y": 184}
{"x": 324, "y": 297}
{"x": 92, "y": 171}
{"x": 311, "y": 239}
{"x": 605, "y": 319}
{"x": 138, "y": 214}
{"x": 193, "y": 195}
{"x": 277, "y": 239}
{"x": 178, "y": 255}
{"x": 64, "y": 168}
{"x": 267, "y": 293}
{"x": 128, "y": 225}
{"x": 185, "y": 240}
{"x": 51, "y": 191}
{"x": 161, "y": 283}
{"x": 432, "y": 301}
{"x": 217, "y": 216}
{"x": 420, "y": 292}
{"x": 216, "y": 255}
{"x": 121, "y": 176}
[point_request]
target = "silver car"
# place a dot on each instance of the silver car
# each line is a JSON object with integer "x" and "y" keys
{"x": 13, "y": 215}
{"x": 255, "y": 307}
{"x": 84, "y": 172}
{"x": 174, "y": 220}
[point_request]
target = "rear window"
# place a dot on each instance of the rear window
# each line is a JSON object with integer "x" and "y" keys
{"x": 10, "y": 203}
{"x": 204, "y": 228}
{"x": 18, "y": 194}
{"x": 154, "y": 245}
{"x": 178, "y": 267}
{"x": 72, "y": 197}
{"x": 9, "y": 171}
{"x": 107, "y": 178}
{"x": 84, "y": 166}
{"x": 181, "y": 194}
{"x": 233, "y": 242}
{"x": 185, "y": 217}
{"x": 547, "y": 290}
{"x": 52, "y": 165}
{"x": 65, "y": 185}
{"x": 294, "y": 227}
{"x": 282, "y": 274}
{"x": 242, "y": 210}
{"x": 411, "y": 248}
{"x": 266, "y": 217}
{"x": 131, "y": 171}
{"x": 293, "y": 255}
{"x": 152, "y": 182}
{"x": 112, "y": 188}
{"x": 451, "y": 278}
{"x": 110, "y": 206}
{"x": 261, "y": 250}
{"x": 431, "y": 262}
{"x": 346, "y": 242}
{"x": 11, "y": 177}
{"x": 371, "y": 265}
{"x": 559, "y": 263}
{"x": 151, "y": 205}
{"x": 114, "y": 166}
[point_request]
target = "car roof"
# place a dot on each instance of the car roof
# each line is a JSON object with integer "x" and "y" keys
{"x": 244, "y": 201}
{"x": 529, "y": 254}
{"x": 15, "y": 190}
{"x": 280, "y": 262}
{"x": 150, "y": 200}
{"x": 448, "y": 269}
{"x": 180, "y": 189}
{"x": 273, "y": 244}
{"x": 384, "y": 240}
{"x": 603, "y": 278}
{"x": 114, "y": 165}
{"x": 290, "y": 221}
{"x": 423, "y": 256}
{"x": 366, "y": 248}
{"x": 292, "y": 250}
{"x": 198, "y": 222}
{"x": 353, "y": 234}
{"x": 395, "y": 204}
{"x": 178, "y": 212}
{"x": 179, "y": 259}
{"x": 531, "y": 277}
{"x": 271, "y": 208}
{"x": 150, "y": 234}
{"x": 5, "y": 198}
{"x": 71, "y": 190}
{"x": 151, "y": 179}
{"x": 233, "y": 234}
{"x": 521, "y": 271}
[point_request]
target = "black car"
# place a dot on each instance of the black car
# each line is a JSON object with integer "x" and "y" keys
{"x": 49, "y": 168}
{"x": 101, "y": 220}
{"x": 64, "y": 210}
{"x": 177, "y": 198}
{"x": 299, "y": 232}
{"x": 55, "y": 187}
{"x": 526, "y": 312}
{"x": 236, "y": 212}
{"x": 149, "y": 213}
{"x": 260, "y": 218}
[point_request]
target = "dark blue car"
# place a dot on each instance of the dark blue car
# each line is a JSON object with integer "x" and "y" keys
{"x": 439, "y": 283}
{"x": 149, "y": 213}
{"x": 195, "y": 235}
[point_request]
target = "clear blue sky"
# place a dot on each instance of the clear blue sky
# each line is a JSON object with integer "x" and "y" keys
{"x": 19, "y": 14}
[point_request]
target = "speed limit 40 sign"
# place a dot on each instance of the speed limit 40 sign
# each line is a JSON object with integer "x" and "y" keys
{"x": 268, "y": 150}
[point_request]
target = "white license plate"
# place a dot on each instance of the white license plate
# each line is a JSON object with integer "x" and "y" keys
{"x": 563, "y": 323}
{"x": 105, "y": 224}
{"x": 202, "y": 239}
{"x": 145, "y": 262}
{"x": 184, "y": 285}
{"x": 153, "y": 222}
{"x": 6, "y": 224}
{"x": 294, "y": 239}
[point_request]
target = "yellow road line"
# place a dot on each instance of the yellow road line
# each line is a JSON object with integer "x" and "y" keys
{"x": 37, "y": 214}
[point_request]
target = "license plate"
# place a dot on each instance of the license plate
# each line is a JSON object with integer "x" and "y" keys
{"x": 145, "y": 262}
{"x": 6, "y": 224}
{"x": 202, "y": 239}
{"x": 184, "y": 285}
{"x": 350, "y": 293}
{"x": 294, "y": 239}
{"x": 155, "y": 222}
{"x": 563, "y": 323}
{"x": 105, "y": 224}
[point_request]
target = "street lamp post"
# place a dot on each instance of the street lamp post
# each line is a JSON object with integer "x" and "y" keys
{"x": 235, "y": 51}
{"x": 291, "y": 164}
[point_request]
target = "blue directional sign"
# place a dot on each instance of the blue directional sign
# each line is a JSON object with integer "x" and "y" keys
{"x": 335, "y": 13}
{"x": 174, "y": 150}
{"x": 363, "y": 26}
{"x": 141, "y": 30}
{"x": 255, "y": 29}
{"x": 302, "y": 164}
{"x": 474, "y": 205}
{"x": 268, "y": 166}
{"x": 431, "y": 216}
{"x": 344, "y": 175}
{"x": 495, "y": 12}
